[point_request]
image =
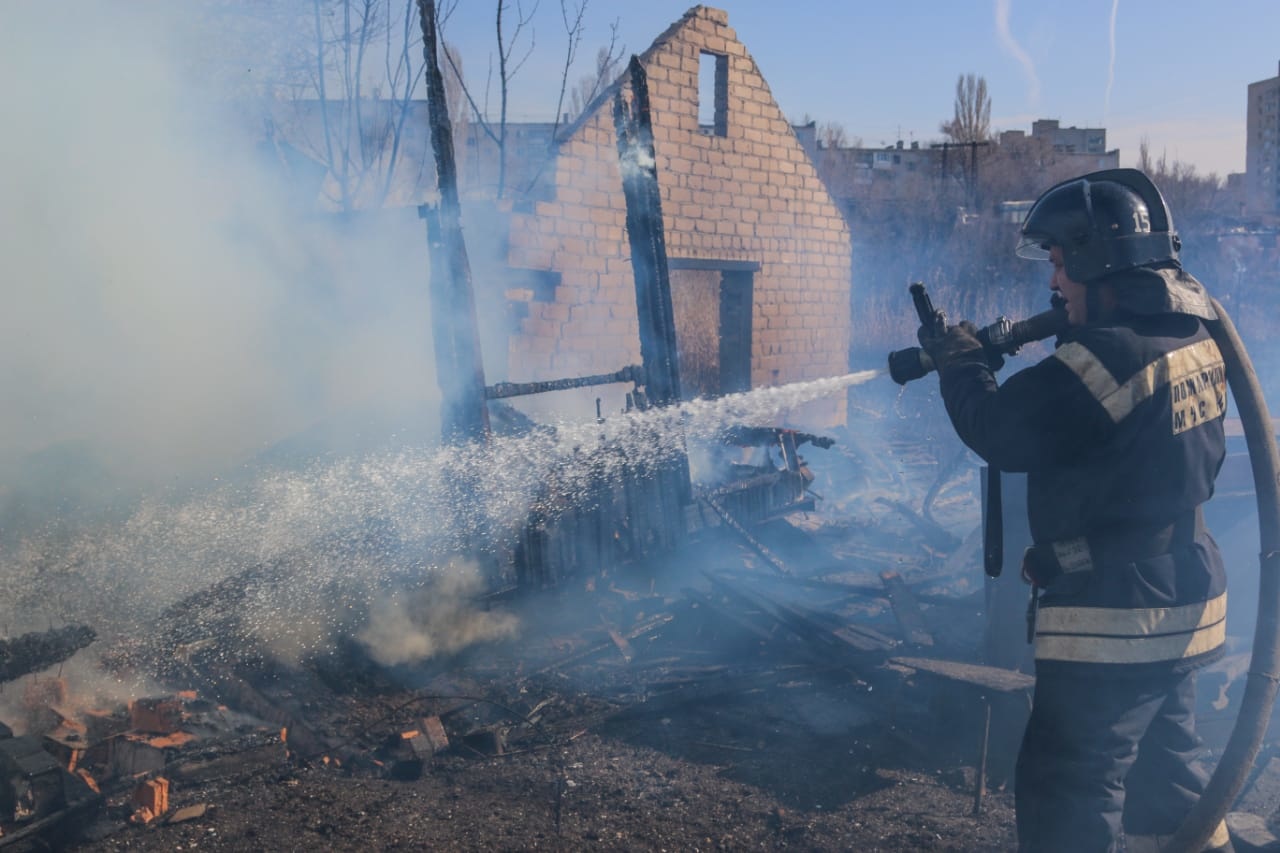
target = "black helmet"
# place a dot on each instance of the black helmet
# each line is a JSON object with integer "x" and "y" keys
{"x": 1104, "y": 222}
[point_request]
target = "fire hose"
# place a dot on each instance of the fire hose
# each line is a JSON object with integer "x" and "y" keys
{"x": 1005, "y": 337}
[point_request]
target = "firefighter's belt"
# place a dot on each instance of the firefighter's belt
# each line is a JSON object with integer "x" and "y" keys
{"x": 1044, "y": 564}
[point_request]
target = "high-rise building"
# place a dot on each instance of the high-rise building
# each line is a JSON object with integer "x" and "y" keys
{"x": 1262, "y": 148}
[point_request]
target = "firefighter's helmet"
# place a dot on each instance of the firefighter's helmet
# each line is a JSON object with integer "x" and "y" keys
{"x": 1104, "y": 222}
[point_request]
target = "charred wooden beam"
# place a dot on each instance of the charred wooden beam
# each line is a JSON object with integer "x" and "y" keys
{"x": 989, "y": 679}
{"x": 459, "y": 368}
{"x": 658, "y": 352}
{"x": 775, "y": 562}
{"x": 738, "y": 620}
{"x": 756, "y": 436}
{"x": 499, "y": 390}
{"x": 636, "y": 158}
{"x": 222, "y": 683}
{"x": 647, "y": 627}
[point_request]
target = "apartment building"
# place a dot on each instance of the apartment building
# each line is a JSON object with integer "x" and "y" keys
{"x": 1262, "y": 149}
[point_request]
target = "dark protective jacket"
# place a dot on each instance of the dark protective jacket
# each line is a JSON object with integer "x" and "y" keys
{"x": 1120, "y": 432}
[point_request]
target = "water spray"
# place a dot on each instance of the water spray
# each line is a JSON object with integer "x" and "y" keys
{"x": 363, "y": 524}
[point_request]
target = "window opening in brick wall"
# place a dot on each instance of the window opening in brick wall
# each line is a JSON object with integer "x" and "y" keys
{"x": 713, "y": 94}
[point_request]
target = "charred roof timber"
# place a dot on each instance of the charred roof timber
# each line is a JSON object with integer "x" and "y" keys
{"x": 500, "y": 390}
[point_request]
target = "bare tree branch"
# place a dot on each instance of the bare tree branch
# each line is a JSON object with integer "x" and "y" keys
{"x": 506, "y": 72}
{"x": 573, "y": 29}
{"x": 403, "y": 64}
{"x": 522, "y": 21}
{"x": 466, "y": 91}
{"x": 608, "y": 60}
{"x": 832, "y": 135}
{"x": 320, "y": 87}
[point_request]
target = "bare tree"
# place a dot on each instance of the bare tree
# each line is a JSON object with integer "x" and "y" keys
{"x": 508, "y": 66}
{"x": 1193, "y": 198}
{"x": 590, "y": 86}
{"x": 336, "y": 80}
{"x": 607, "y": 64}
{"x": 515, "y": 43}
{"x": 972, "y": 119}
{"x": 832, "y": 134}
{"x": 363, "y": 112}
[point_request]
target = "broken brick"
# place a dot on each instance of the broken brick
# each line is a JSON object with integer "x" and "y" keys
{"x": 153, "y": 796}
{"x": 433, "y": 731}
{"x": 188, "y": 813}
{"x": 88, "y": 780}
{"x": 421, "y": 746}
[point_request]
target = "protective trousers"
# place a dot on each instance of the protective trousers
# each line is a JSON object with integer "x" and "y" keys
{"x": 1105, "y": 757}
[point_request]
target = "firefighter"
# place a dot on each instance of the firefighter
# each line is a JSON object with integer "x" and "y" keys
{"x": 1120, "y": 432}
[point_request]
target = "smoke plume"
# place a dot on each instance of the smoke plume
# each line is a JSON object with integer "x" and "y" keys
{"x": 1016, "y": 50}
{"x": 170, "y": 310}
{"x": 411, "y": 627}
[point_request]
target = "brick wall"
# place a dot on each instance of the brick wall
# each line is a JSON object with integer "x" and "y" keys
{"x": 751, "y": 195}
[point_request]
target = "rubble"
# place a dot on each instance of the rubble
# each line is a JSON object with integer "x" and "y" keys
{"x": 151, "y": 800}
{"x": 734, "y": 666}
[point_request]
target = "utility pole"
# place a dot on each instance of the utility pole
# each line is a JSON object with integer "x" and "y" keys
{"x": 970, "y": 172}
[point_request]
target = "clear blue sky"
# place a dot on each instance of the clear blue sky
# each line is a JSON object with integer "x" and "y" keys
{"x": 1178, "y": 75}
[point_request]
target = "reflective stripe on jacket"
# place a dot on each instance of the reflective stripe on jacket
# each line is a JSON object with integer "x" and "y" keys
{"x": 1120, "y": 433}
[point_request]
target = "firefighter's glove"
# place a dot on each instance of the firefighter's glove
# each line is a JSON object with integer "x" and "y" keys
{"x": 957, "y": 345}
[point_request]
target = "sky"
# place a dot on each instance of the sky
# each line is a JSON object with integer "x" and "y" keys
{"x": 178, "y": 310}
{"x": 1176, "y": 74}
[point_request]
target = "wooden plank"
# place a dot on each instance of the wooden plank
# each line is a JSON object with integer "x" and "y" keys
{"x": 987, "y": 677}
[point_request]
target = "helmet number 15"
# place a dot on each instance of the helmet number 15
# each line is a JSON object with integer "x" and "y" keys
{"x": 1141, "y": 221}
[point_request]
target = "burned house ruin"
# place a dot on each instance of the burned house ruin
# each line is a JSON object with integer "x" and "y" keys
{"x": 606, "y": 614}
{"x": 759, "y": 254}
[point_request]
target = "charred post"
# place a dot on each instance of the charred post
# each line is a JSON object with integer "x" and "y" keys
{"x": 459, "y": 368}
{"x": 636, "y": 158}
{"x": 658, "y": 353}
{"x": 502, "y": 390}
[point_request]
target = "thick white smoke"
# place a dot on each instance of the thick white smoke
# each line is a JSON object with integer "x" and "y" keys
{"x": 167, "y": 311}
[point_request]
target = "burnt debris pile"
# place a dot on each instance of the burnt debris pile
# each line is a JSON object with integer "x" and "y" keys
{"x": 768, "y": 632}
